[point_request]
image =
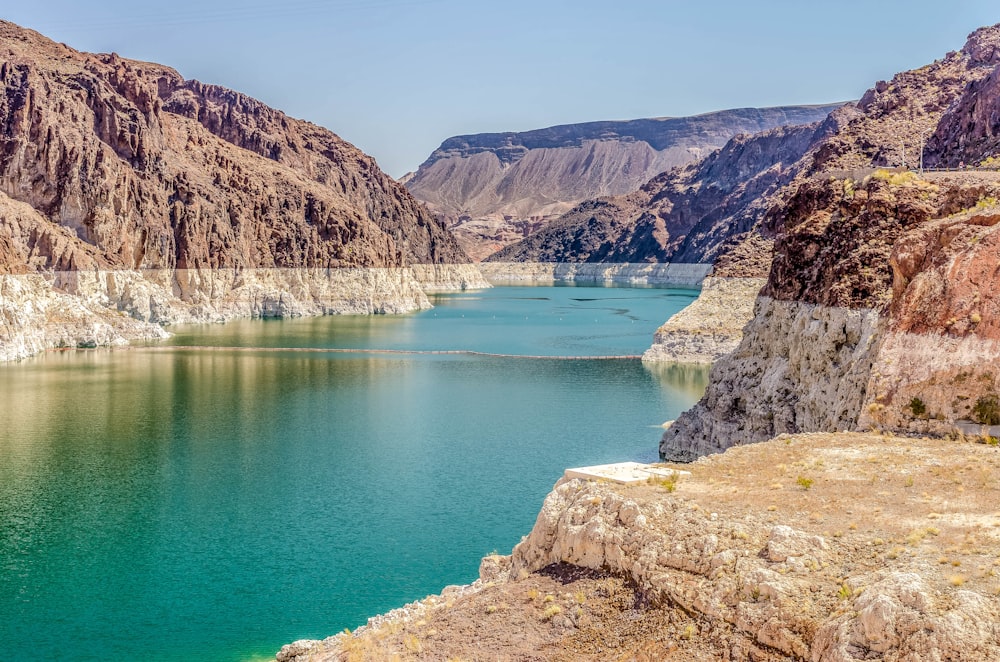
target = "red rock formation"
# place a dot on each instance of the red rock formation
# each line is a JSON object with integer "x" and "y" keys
{"x": 881, "y": 307}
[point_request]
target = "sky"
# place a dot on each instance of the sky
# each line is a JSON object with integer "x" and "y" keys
{"x": 397, "y": 77}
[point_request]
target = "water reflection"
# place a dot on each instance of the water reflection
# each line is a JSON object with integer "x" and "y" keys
{"x": 207, "y": 505}
{"x": 687, "y": 381}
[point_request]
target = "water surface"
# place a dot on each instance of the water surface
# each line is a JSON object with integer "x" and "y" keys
{"x": 213, "y": 504}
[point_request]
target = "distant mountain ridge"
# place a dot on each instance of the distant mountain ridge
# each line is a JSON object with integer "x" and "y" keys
{"x": 688, "y": 214}
{"x": 493, "y": 189}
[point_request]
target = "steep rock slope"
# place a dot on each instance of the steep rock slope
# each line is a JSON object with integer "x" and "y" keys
{"x": 494, "y": 189}
{"x": 876, "y": 305}
{"x": 688, "y": 214}
{"x": 127, "y": 167}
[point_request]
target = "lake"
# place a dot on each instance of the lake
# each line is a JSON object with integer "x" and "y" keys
{"x": 237, "y": 487}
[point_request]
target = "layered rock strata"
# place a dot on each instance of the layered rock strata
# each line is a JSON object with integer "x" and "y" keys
{"x": 709, "y": 328}
{"x": 211, "y": 201}
{"x": 495, "y": 189}
{"x": 878, "y": 305}
{"x": 692, "y": 214}
{"x": 35, "y": 316}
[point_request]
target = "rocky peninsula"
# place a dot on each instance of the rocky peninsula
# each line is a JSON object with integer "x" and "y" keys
{"x": 808, "y": 547}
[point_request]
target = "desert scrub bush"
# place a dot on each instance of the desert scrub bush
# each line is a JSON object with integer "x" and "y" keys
{"x": 985, "y": 202}
{"x": 917, "y": 406}
{"x": 804, "y": 483}
{"x": 987, "y": 410}
{"x": 895, "y": 178}
{"x": 668, "y": 483}
{"x": 550, "y": 611}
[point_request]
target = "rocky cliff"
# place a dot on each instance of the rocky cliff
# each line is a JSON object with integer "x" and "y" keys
{"x": 711, "y": 327}
{"x": 690, "y": 214}
{"x": 111, "y": 165}
{"x": 495, "y": 189}
{"x": 876, "y": 307}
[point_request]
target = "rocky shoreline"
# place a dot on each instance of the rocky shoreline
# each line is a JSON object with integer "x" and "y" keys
{"x": 709, "y": 328}
{"x": 104, "y": 307}
{"x": 822, "y": 547}
{"x": 546, "y": 273}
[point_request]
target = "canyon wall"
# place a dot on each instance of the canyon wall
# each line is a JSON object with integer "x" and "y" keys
{"x": 880, "y": 305}
{"x": 169, "y": 200}
{"x": 494, "y": 189}
{"x": 546, "y": 273}
{"x": 698, "y": 213}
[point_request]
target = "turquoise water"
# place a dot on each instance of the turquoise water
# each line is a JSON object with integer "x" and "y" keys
{"x": 188, "y": 503}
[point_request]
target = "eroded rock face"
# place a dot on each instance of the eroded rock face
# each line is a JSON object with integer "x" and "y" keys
{"x": 819, "y": 547}
{"x": 495, "y": 189}
{"x": 109, "y": 165}
{"x": 912, "y": 256}
{"x": 690, "y": 214}
{"x": 709, "y": 328}
{"x": 799, "y": 366}
{"x": 160, "y": 172}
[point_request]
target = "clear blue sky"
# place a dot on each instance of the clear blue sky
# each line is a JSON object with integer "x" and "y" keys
{"x": 396, "y": 77}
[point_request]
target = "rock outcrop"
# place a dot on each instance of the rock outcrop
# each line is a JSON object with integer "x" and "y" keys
{"x": 690, "y": 214}
{"x": 110, "y": 165}
{"x": 820, "y": 547}
{"x": 495, "y": 189}
{"x": 876, "y": 308}
{"x": 709, "y": 328}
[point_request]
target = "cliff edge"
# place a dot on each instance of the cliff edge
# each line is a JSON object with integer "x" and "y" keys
{"x": 880, "y": 294}
{"x": 821, "y": 547}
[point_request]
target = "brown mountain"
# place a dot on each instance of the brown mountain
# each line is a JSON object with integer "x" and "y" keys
{"x": 688, "y": 214}
{"x": 496, "y": 188}
{"x": 126, "y": 166}
{"x": 881, "y": 301}
{"x": 157, "y": 171}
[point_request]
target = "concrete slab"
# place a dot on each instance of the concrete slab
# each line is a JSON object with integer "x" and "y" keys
{"x": 624, "y": 473}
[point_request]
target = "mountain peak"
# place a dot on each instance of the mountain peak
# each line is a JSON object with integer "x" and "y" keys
{"x": 983, "y": 45}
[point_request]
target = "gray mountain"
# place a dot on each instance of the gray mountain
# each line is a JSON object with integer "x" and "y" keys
{"x": 494, "y": 189}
